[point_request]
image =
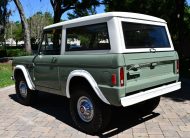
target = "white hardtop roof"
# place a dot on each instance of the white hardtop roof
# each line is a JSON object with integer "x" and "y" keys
{"x": 108, "y": 15}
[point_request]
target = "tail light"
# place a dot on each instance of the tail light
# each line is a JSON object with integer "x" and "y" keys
{"x": 121, "y": 77}
{"x": 177, "y": 66}
{"x": 113, "y": 79}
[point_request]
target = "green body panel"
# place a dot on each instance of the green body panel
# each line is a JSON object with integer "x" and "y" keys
{"x": 46, "y": 72}
{"x": 27, "y": 62}
{"x": 50, "y": 72}
{"x": 163, "y": 70}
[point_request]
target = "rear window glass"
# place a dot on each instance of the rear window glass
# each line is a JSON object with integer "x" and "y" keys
{"x": 144, "y": 36}
{"x": 90, "y": 37}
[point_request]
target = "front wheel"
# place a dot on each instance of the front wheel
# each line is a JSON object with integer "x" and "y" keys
{"x": 24, "y": 94}
{"x": 89, "y": 114}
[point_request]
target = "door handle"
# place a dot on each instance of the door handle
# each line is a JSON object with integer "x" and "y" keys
{"x": 54, "y": 59}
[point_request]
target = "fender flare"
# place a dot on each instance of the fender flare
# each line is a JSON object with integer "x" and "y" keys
{"x": 90, "y": 79}
{"x": 26, "y": 76}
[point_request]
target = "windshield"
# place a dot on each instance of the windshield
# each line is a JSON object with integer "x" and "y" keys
{"x": 144, "y": 36}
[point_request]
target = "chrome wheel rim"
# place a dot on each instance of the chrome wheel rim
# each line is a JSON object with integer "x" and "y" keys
{"x": 85, "y": 109}
{"x": 23, "y": 89}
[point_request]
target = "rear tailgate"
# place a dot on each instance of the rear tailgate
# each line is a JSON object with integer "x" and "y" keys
{"x": 147, "y": 70}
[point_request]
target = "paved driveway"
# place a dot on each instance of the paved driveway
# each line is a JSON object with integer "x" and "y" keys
{"x": 50, "y": 118}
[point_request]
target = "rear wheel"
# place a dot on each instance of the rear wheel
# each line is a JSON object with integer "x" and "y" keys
{"x": 24, "y": 94}
{"x": 89, "y": 114}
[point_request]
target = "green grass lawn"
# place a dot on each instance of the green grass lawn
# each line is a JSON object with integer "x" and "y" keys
{"x": 5, "y": 75}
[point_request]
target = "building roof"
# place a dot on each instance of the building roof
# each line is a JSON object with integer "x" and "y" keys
{"x": 107, "y": 16}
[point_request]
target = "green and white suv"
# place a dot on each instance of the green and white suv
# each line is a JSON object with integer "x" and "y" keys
{"x": 98, "y": 61}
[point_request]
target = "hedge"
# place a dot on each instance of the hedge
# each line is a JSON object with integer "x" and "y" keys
{"x": 12, "y": 52}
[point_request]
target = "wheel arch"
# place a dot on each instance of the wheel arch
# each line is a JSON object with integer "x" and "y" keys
{"x": 23, "y": 70}
{"x": 88, "y": 77}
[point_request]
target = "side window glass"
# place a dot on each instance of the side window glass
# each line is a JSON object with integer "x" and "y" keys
{"x": 91, "y": 37}
{"x": 51, "y": 43}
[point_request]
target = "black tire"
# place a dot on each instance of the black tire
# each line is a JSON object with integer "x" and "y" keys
{"x": 28, "y": 97}
{"x": 148, "y": 106}
{"x": 101, "y": 114}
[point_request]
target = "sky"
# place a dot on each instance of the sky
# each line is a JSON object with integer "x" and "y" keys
{"x": 33, "y": 6}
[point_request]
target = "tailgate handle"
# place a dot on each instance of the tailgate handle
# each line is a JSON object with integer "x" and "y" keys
{"x": 136, "y": 66}
{"x": 154, "y": 64}
{"x": 132, "y": 72}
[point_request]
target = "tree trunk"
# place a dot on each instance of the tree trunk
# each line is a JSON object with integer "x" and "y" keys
{"x": 57, "y": 17}
{"x": 16, "y": 42}
{"x": 25, "y": 26}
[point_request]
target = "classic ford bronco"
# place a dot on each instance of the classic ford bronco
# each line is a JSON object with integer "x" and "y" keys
{"x": 98, "y": 61}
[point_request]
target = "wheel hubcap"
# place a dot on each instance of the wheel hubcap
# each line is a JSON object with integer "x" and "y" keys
{"x": 23, "y": 89}
{"x": 85, "y": 109}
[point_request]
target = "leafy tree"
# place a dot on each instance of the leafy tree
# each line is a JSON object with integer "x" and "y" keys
{"x": 14, "y": 31}
{"x": 187, "y": 18}
{"x": 173, "y": 11}
{"x": 82, "y": 12}
{"x": 17, "y": 32}
{"x": 3, "y": 17}
{"x": 24, "y": 25}
{"x": 85, "y": 8}
{"x": 79, "y": 7}
{"x": 37, "y": 22}
{"x": 186, "y": 34}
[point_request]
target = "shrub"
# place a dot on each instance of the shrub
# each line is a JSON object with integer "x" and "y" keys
{"x": 16, "y": 52}
{"x": 3, "y": 53}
